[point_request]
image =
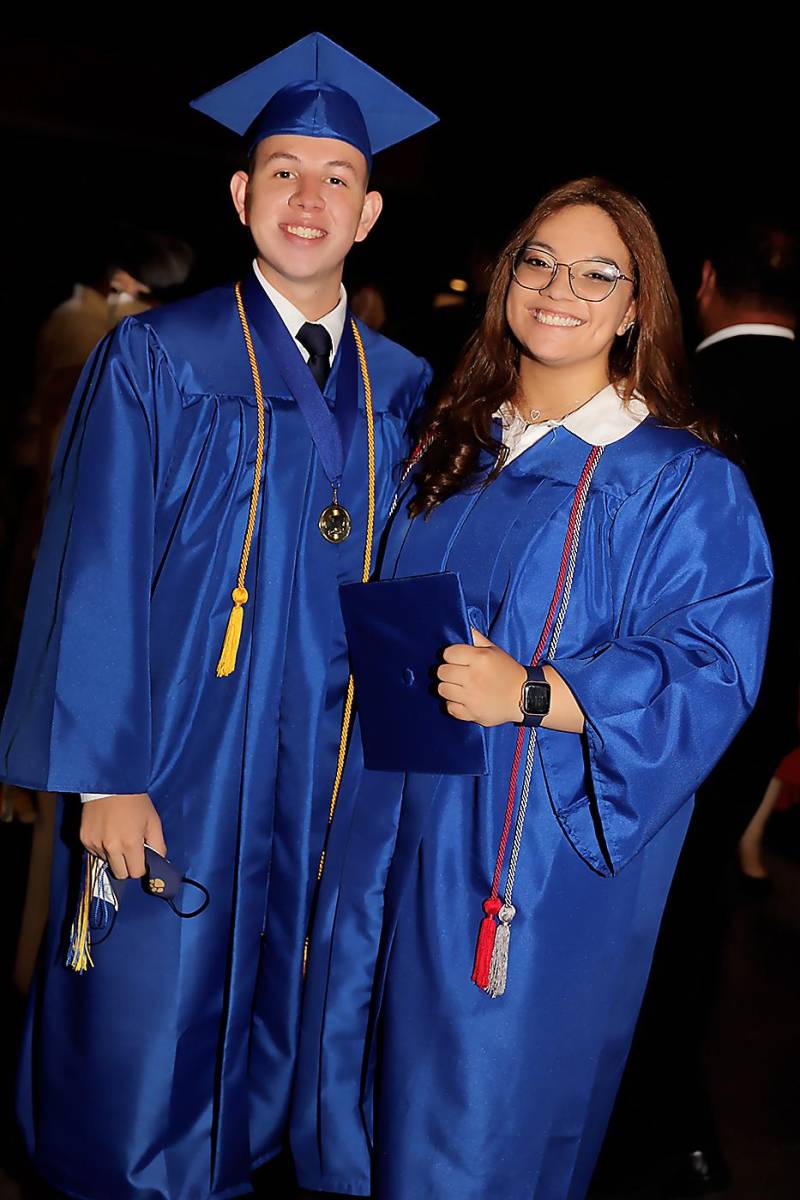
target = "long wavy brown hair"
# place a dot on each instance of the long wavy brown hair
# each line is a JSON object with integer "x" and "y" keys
{"x": 650, "y": 359}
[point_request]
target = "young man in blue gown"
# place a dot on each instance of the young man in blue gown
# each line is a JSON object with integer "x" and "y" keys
{"x": 227, "y": 462}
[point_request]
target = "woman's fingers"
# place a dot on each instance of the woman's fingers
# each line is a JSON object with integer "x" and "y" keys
{"x": 447, "y": 673}
{"x": 459, "y": 654}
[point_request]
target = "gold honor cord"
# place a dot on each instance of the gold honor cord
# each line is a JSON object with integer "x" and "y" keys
{"x": 347, "y": 716}
{"x": 239, "y": 595}
{"x": 233, "y": 633}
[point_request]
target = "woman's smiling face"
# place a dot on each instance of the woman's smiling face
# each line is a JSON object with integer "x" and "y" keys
{"x": 553, "y": 325}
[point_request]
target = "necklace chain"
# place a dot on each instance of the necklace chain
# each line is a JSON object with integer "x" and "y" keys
{"x": 535, "y": 414}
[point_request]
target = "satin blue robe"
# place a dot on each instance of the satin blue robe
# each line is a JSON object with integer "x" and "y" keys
{"x": 165, "y": 1072}
{"x": 403, "y": 1059}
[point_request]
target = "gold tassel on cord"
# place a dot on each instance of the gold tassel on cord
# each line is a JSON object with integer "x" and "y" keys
{"x": 233, "y": 633}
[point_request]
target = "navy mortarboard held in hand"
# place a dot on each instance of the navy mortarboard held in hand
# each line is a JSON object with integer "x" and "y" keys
{"x": 316, "y": 89}
{"x": 397, "y": 630}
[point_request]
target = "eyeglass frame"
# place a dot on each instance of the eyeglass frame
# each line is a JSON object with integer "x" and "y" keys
{"x": 513, "y": 255}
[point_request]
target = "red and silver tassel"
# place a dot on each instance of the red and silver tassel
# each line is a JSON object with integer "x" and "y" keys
{"x": 486, "y": 939}
{"x": 498, "y": 971}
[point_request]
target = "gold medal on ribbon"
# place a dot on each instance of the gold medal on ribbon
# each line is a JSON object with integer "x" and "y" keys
{"x": 335, "y": 523}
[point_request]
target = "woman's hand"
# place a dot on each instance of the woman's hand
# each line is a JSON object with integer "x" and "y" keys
{"x": 481, "y": 683}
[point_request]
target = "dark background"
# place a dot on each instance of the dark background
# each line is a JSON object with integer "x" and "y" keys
{"x": 699, "y": 120}
{"x": 95, "y": 127}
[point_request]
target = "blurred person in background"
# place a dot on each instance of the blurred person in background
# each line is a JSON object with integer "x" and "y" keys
{"x": 746, "y": 379}
{"x": 143, "y": 270}
{"x": 748, "y": 374}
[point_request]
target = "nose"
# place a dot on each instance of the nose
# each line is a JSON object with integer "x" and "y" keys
{"x": 559, "y": 287}
{"x": 307, "y": 195}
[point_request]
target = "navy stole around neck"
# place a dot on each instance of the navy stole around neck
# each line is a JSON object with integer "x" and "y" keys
{"x": 331, "y": 431}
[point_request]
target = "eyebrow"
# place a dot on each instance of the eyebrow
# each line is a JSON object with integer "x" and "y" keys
{"x": 589, "y": 257}
{"x": 341, "y": 162}
{"x": 334, "y": 162}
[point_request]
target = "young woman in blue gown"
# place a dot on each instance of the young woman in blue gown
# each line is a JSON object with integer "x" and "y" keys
{"x": 597, "y": 531}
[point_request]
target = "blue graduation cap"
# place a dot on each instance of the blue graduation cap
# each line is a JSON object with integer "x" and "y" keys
{"x": 317, "y": 89}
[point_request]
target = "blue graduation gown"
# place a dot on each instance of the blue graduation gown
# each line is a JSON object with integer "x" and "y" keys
{"x": 402, "y": 1057}
{"x": 165, "y": 1072}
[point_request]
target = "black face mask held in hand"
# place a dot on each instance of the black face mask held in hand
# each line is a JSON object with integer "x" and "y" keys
{"x": 101, "y": 893}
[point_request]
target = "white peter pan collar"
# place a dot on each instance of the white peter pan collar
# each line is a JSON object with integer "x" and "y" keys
{"x": 603, "y": 419}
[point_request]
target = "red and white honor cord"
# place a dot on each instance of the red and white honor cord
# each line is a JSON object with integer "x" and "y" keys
{"x": 491, "y": 956}
{"x": 416, "y": 455}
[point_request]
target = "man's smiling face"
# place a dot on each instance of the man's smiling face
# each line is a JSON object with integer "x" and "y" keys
{"x": 306, "y": 203}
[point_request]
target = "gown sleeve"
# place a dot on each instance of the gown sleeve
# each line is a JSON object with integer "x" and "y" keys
{"x": 79, "y": 710}
{"x": 664, "y": 698}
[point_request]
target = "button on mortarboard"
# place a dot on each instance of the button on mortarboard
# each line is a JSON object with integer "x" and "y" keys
{"x": 317, "y": 342}
{"x": 317, "y": 89}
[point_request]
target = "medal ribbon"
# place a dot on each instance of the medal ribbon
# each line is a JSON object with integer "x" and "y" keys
{"x": 332, "y": 432}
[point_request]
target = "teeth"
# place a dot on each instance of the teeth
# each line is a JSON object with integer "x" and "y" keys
{"x": 303, "y": 232}
{"x": 547, "y": 318}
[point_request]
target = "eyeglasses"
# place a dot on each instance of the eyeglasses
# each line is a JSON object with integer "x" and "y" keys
{"x": 592, "y": 279}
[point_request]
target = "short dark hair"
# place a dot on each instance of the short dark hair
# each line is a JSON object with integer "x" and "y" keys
{"x": 160, "y": 261}
{"x": 758, "y": 261}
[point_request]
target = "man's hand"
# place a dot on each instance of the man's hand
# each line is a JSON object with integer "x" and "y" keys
{"x": 116, "y": 828}
{"x": 481, "y": 683}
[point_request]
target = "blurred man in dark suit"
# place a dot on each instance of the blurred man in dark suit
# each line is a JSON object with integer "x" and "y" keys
{"x": 747, "y": 377}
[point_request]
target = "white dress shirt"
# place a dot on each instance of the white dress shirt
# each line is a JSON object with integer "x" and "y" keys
{"x": 294, "y": 320}
{"x": 753, "y": 328}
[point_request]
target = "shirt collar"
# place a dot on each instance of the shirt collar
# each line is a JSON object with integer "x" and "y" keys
{"x": 757, "y": 328}
{"x": 603, "y": 419}
{"x": 294, "y": 320}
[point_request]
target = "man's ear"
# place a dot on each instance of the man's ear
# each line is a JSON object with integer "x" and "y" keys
{"x": 239, "y": 194}
{"x": 373, "y": 204}
{"x": 708, "y": 280}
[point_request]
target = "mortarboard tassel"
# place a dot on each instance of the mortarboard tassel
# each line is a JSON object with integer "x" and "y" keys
{"x": 79, "y": 956}
{"x": 233, "y": 633}
{"x": 498, "y": 971}
{"x": 486, "y": 938}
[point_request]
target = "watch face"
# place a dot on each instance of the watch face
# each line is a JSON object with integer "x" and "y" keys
{"x": 536, "y": 699}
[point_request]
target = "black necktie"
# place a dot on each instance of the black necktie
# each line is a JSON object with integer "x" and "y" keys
{"x": 317, "y": 341}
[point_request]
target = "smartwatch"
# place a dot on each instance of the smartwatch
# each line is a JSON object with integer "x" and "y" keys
{"x": 534, "y": 700}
